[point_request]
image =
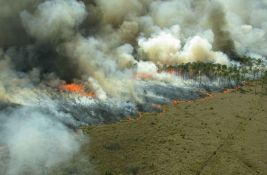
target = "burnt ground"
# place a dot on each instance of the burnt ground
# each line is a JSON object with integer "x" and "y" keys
{"x": 224, "y": 134}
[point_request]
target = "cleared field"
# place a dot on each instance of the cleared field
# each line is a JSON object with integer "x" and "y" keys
{"x": 221, "y": 135}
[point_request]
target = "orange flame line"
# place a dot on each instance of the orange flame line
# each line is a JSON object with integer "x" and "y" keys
{"x": 227, "y": 91}
{"x": 77, "y": 88}
{"x": 144, "y": 76}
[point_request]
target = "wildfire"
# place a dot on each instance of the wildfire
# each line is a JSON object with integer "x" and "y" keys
{"x": 144, "y": 76}
{"x": 170, "y": 71}
{"x": 77, "y": 88}
{"x": 139, "y": 117}
{"x": 227, "y": 91}
{"x": 175, "y": 102}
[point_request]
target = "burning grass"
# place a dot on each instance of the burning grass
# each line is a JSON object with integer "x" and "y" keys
{"x": 144, "y": 76}
{"x": 227, "y": 91}
{"x": 78, "y": 89}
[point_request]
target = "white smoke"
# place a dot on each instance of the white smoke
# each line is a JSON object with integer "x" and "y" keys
{"x": 54, "y": 19}
{"x": 100, "y": 93}
{"x": 125, "y": 9}
{"x": 164, "y": 32}
{"x": 112, "y": 46}
{"x": 247, "y": 24}
{"x": 165, "y": 48}
{"x": 12, "y": 84}
{"x": 36, "y": 142}
{"x": 161, "y": 48}
{"x": 96, "y": 60}
{"x": 199, "y": 49}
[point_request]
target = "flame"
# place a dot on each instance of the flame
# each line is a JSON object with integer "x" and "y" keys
{"x": 209, "y": 95}
{"x": 139, "y": 117}
{"x": 144, "y": 76}
{"x": 227, "y": 91}
{"x": 169, "y": 71}
{"x": 77, "y": 88}
{"x": 175, "y": 102}
{"x": 73, "y": 87}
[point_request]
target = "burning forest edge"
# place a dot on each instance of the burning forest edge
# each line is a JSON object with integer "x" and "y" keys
{"x": 68, "y": 63}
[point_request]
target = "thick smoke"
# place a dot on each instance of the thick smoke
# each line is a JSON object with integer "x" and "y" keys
{"x": 222, "y": 37}
{"x": 116, "y": 49}
{"x": 247, "y": 24}
{"x": 77, "y": 40}
{"x": 12, "y": 31}
{"x": 60, "y": 19}
{"x": 35, "y": 141}
{"x": 196, "y": 49}
{"x": 126, "y": 10}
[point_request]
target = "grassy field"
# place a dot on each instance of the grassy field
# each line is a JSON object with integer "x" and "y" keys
{"x": 225, "y": 134}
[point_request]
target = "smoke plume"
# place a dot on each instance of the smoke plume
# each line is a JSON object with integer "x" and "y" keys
{"x": 109, "y": 55}
{"x": 36, "y": 142}
{"x": 222, "y": 37}
{"x": 60, "y": 19}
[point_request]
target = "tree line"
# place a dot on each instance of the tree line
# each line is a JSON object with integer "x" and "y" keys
{"x": 238, "y": 73}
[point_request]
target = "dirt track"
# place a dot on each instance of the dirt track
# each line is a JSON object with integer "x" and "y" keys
{"x": 223, "y": 135}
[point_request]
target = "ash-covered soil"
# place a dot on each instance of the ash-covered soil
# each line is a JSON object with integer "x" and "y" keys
{"x": 223, "y": 134}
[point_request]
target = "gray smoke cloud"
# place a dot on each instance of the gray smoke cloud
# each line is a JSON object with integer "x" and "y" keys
{"x": 58, "y": 26}
{"x": 59, "y": 17}
{"x": 222, "y": 37}
{"x": 35, "y": 141}
{"x": 247, "y": 24}
{"x": 12, "y": 31}
{"x": 106, "y": 45}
